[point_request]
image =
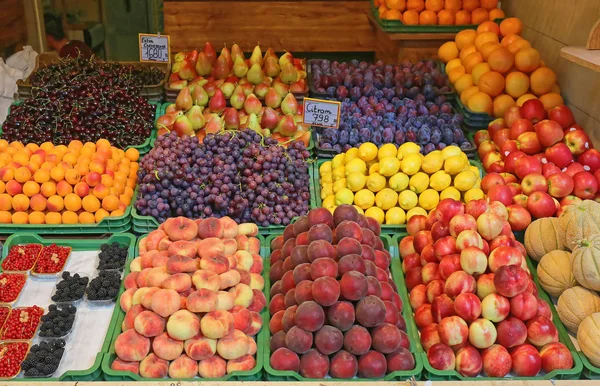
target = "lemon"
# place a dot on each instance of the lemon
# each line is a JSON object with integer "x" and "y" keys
{"x": 455, "y": 164}
{"x": 339, "y": 172}
{"x": 328, "y": 201}
{"x": 326, "y": 190}
{"x": 344, "y": 196}
{"x": 432, "y": 162}
{"x": 338, "y": 160}
{"x": 356, "y": 166}
{"x": 477, "y": 184}
{"x": 376, "y": 182}
{"x": 325, "y": 168}
{"x": 389, "y": 166}
{"x": 450, "y": 192}
{"x": 450, "y": 151}
{"x": 419, "y": 182}
{"x": 398, "y": 182}
{"x": 475, "y": 170}
{"x": 351, "y": 154}
{"x": 408, "y": 148}
{"x": 339, "y": 185}
{"x": 395, "y": 216}
{"x": 411, "y": 164}
{"x": 358, "y": 208}
{"x": 474, "y": 194}
{"x": 407, "y": 199}
{"x": 364, "y": 199}
{"x": 356, "y": 181}
{"x": 331, "y": 209}
{"x": 440, "y": 180}
{"x": 326, "y": 177}
{"x": 374, "y": 168}
{"x": 367, "y": 151}
{"x": 387, "y": 150}
{"x": 429, "y": 199}
{"x": 376, "y": 213}
{"x": 465, "y": 180}
{"x": 386, "y": 199}
{"x": 414, "y": 212}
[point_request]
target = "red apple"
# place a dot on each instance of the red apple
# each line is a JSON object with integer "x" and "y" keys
{"x": 495, "y": 125}
{"x": 590, "y": 160}
{"x": 508, "y": 177}
{"x": 570, "y": 200}
{"x": 534, "y": 182}
{"x": 490, "y": 158}
{"x": 562, "y": 115}
{"x": 585, "y": 185}
{"x": 500, "y": 193}
{"x": 511, "y": 159}
{"x": 496, "y": 167}
{"x": 491, "y": 179}
{"x": 521, "y": 200}
{"x": 559, "y": 154}
{"x": 486, "y": 147}
{"x": 560, "y": 185}
{"x": 548, "y": 132}
{"x": 548, "y": 169}
{"x": 529, "y": 143}
{"x": 574, "y": 168}
{"x": 533, "y": 110}
{"x": 527, "y": 165}
{"x": 511, "y": 115}
{"x": 515, "y": 188}
{"x": 508, "y": 147}
{"x": 526, "y": 360}
{"x": 519, "y": 127}
{"x": 500, "y": 137}
{"x": 518, "y": 217}
{"x": 577, "y": 141}
{"x": 480, "y": 136}
{"x": 541, "y": 204}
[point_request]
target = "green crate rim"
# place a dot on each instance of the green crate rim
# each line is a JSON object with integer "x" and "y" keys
{"x": 123, "y": 376}
{"x": 276, "y": 375}
{"x": 573, "y": 373}
{"x": 387, "y": 229}
{"x": 94, "y": 372}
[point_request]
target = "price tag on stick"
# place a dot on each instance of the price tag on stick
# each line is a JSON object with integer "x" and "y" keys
{"x": 154, "y": 48}
{"x": 319, "y": 112}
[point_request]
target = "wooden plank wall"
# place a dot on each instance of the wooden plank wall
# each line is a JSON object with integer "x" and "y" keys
{"x": 551, "y": 25}
{"x": 296, "y": 26}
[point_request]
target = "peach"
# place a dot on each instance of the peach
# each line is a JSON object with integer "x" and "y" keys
{"x": 473, "y": 260}
{"x": 149, "y": 324}
{"x": 119, "y": 365}
{"x": 233, "y": 346}
{"x": 154, "y": 238}
{"x": 343, "y": 365}
{"x": 524, "y": 306}
{"x": 299, "y": 255}
{"x": 156, "y": 276}
{"x": 133, "y": 311}
{"x": 202, "y": 300}
{"x": 459, "y": 282}
{"x": 448, "y": 265}
{"x": 442, "y": 307}
{"x": 229, "y": 279}
{"x": 511, "y": 332}
{"x": 241, "y": 317}
{"x": 229, "y": 246}
{"x": 226, "y": 300}
{"x": 232, "y": 261}
{"x": 434, "y": 289}
{"x": 482, "y": 333}
{"x": 183, "y": 325}
{"x": 180, "y": 228}
{"x": 320, "y": 232}
{"x": 298, "y": 340}
{"x": 287, "y": 281}
{"x": 353, "y": 285}
{"x": 526, "y": 361}
{"x": 326, "y": 290}
{"x": 320, "y": 248}
{"x": 370, "y": 311}
{"x": 372, "y": 365}
{"x": 453, "y": 330}
{"x": 541, "y": 331}
{"x": 276, "y": 289}
{"x": 510, "y": 280}
{"x": 217, "y": 324}
{"x": 213, "y": 367}
{"x": 142, "y": 278}
{"x": 430, "y": 336}
{"x": 200, "y": 347}
{"x": 244, "y": 295}
{"x": 276, "y": 271}
{"x": 248, "y": 229}
{"x": 276, "y": 321}
{"x": 504, "y": 256}
{"x": 255, "y": 325}
{"x": 310, "y": 316}
{"x": 210, "y": 228}
{"x": 160, "y": 260}
{"x": 495, "y": 307}
{"x": 126, "y": 299}
{"x": 259, "y": 301}
{"x": 290, "y": 298}
{"x": 391, "y": 313}
{"x": 182, "y": 264}
{"x": 183, "y": 367}
{"x": 400, "y": 360}
{"x": 348, "y": 229}
{"x": 166, "y": 347}
{"x": 217, "y": 263}
{"x": 485, "y": 285}
{"x": 183, "y": 248}
{"x": 131, "y": 346}
{"x": 468, "y": 362}
{"x": 243, "y": 363}
{"x": 373, "y": 286}
{"x": 556, "y": 356}
{"x": 386, "y": 338}
{"x": 348, "y": 246}
{"x": 341, "y": 315}
{"x": 164, "y": 244}
{"x": 441, "y": 357}
{"x": 257, "y": 282}
{"x": 154, "y": 367}
{"x": 253, "y": 245}
{"x": 497, "y": 362}
{"x": 277, "y": 340}
{"x": 179, "y": 282}
{"x": 467, "y": 306}
{"x": 210, "y": 247}
{"x": 284, "y": 359}
{"x": 418, "y": 295}
{"x": 257, "y": 265}
{"x": 136, "y": 266}
{"x": 146, "y": 299}
{"x": 314, "y": 364}
{"x": 276, "y": 303}
{"x": 165, "y": 302}
{"x": 206, "y": 279}
{"x": 351, "y": 263}
{"x": 243, "y": 243}
{"x": 423, "y": 316}
{"x": 230, "y": 227}
{"x": 252, "y": 347}
{"x": 244, "y": 260}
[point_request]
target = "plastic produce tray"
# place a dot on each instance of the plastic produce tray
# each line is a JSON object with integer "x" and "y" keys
{"x": 411, "y": 329}
{"x": 386, "y": 229}
{"x": 472, "y": 120}
{"x": 446, "y": 375}
{"x": 124, "y": 376}
{"x": 95, "y": 372}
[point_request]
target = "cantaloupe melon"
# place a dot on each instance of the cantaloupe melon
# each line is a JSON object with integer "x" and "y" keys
{"x": 588, "y": 337}
{"x": 542, "y": 236}
{"x": 586, "y": 262}
{"x": 580, "y": 221}
{"x": 555, "y": 273}
{"x": 575, "y": 304}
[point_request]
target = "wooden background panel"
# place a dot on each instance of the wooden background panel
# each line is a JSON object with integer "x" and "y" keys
{"x": 319, "y": 26}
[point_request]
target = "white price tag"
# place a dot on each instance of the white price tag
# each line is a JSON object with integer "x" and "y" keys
{"x": 154, "y": 48}
{"x": 319, "y": 112}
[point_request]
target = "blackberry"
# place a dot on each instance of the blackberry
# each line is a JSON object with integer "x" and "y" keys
{"x": 105, "y": 286}
{"x": 43, "y": 358}
{"x": 58, "y": 321}
{"x": 112, "y": 256}
{"x": 70, "y": 288}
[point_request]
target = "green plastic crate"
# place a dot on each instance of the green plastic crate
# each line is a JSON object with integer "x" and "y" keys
{"x": 125, "y": 376}
{"x": 95, "y": 372}
{"x": 445, "y": 375}
{"x": 291, "y": 376}
{"x": 387, "y": 229}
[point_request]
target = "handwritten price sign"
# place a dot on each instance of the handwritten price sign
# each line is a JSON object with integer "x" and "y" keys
{"x": 319, "y": 112}
{"x": 154, "y": 48}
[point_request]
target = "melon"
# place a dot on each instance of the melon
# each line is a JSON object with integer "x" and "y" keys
{"x": 575, "y": 304}
{"x": 580, "y": 221}
{"x": 542, "y": 236}
{"x": 555, "y": 273}
{"x": 588, "y": 337}
{"x": 586, "y": 262}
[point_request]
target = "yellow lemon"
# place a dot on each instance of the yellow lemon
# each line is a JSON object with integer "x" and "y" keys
{"x": 389, "y": 166}
{"x": 358, "y": 208}
{"x": 339, "y": 185}
{"x": 338, "y": 160}
{"x": 449, "y": 151}
{"x": 411, "y": 164}
{"x": 326, "y": 190}
{"x": 408, "y": 148}
{"x": 325, "y": 167}
{"x": 344, "y": 197}
{"x": 326, "y": 177}
{"x": 395, "y": 216}
{"x": 351, "y": 154}
{"x": 367, "y": 151}
{"x": 376, "y": 182}
{"x": 433, "y": 162}
{"x": 356, "y": 181}
{"x": 356, "y": 166}
{"x": 419, "y": 182}
{"x": 440, "y": 180}
{"x": 364, "y": 199}
{"x": 407, "y": 199}
{"x": 465, "y": 180}
{"x": 415, "y": 211}
{"x": 474, "y": 194}
{"x": 339, "y": 172}
{"x": 331, "y": 209}
{"x": 374, "y": 168}
{"x": 376, "y": 213}
{"x": 386, "y": 198}
{"x": 477, "y": 184}
{"x": 328, "y": 201}
{"x": 450, "y": 192}
{"x": 429, "y": 199}
{"x": 454, "y": 164}
{"x": 475, "y": 170}
{"x": 387, "y": 150}
{"x": 398, "y": 182}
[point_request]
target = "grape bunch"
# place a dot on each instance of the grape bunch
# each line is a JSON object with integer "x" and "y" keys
{"x": 239, "y": 174}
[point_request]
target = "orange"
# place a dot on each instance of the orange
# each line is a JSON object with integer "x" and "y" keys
{"x": 466, "y": 94}
{"x": 454, "y": 5}
{"x": 524, "y": 99}
{"x": 393, "y": 14}
{"x": 415, "y": 5}
{"x": 472, "y": 60}
{"x": 452, "y": 65}
{"x": 465, "y": 38}
{"x": 69, "y": 217}
{"x": 466, "y": 51}
{"x": 555, "y": 89}
{"x": 31, "y": 188}
{"x": 517, "y": 84}
{"x": 502, "y": 103}
{"x": 488, "y": 26}
{"x": 411, "y": 18}
{"x": 487, "y": 49}
{"x": 445, "y": 17}
{"x": 501, "y": 60}
{"x": 456, "y": 73}
{"x": 55, "y": 203}
{"x": 399, "y": 5}
{"x": 86, "y": 218}
{"x": 496, "y": 13}
{"x": 542, "y": 80}
{"x": 110, "y": 203}
{"x": 448, "y": 51}
{"x": 527, "y": 59}
{"x": 427, "y": 18}
{"x": 479, "y": 15}
{"x": 53, "y": 218}
{"x": 20, "y": 218}
{"x": 90, "y": 203}
{"x": 5, "y": 202}
{"x": 37, "y": 218}
{"x": 5, "y": 217}
{"x": 462, "y": 18}
{"x": 511, "y": 26}
{"x": 485, "y": 37}
{"x": 551, "y": 100}
{"x": 22, "y": 174}
{"x": 100, "y": 214}
{"x": 72, "y": 202}
{"x": 463, "y": 82}
{"x": 481, "y": 103}
{"x": 57, "y": 174}
{"x": 491, "y": 83}
{"x": 518, "y": 45}
{"x": 470, "y": 5}
{"x": 434, "y": 5}
{"x": 489, "y": 4}
{"x": 48, "y": 189}
{"x": 72, "y": 176}
{"x": 508, "y": 40}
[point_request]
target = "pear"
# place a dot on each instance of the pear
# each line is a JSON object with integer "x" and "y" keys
{"x": 227, "y": 89}
{"x": 221, "y": 69}
{"x": 178, "y": 85}
{"x": 171, "y": 108}
{"x": 210, "y": 88}
{"x": 214, "y": 126}
{"x": 285, "y": 59}
{"x": 238, "y": 98}
{"x": 176, "y": 67}
{"x": 268, "y": 54}
{"x": 252, "y": 104}
{"x": 217, "y": 103}
{"x": 240, "y": 68}
{"x": 282, "y": 88}
{"x": 260, "y": 90}
{"x": 273, "y": 99}
{"x": 167, "y": 120}
{"x": 248, "y": 88}
{"x": 179, "y": 57}
{"x": 269, "y": 119}
{"x": 225, "y": 52}
{"x": 192, "y": 57}
{"x": 272, "y": 68}
{"x": 298, "y": 87}
{"x": 196, "y": 118}
{"x": 183, "y": 126}
{"x": 184, "y": 99}
{"x": 231, "y": 118}
{"x": 236, "y": 52}
{"x": 289, "y": 105}
{"x": 289, "y": 73}
{"x": 210, "y": 52}
{"x": 203, "y": 65}
{"x": 286, "y": 126}
{"x": 200, "y": 97}
{"x": 256, "y": 57}
{"x": 187, "y": 70}
{"x": 255, "y": 74}
{"x": 253, "y": 123}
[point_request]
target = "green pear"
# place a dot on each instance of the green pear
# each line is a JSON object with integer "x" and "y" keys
{"x": 203, "y": 65}
{"x": 254, "y": 124}
{"x": 179, "y": 57}
{"x": 273, "y": 99}
{"x": 285, "y": 59}
{"x": 238, "y": 98}
{"x": 255, "y": 74}
{"x": 200, "y": 97}
{"x": 272, "y": 68}
{"x": 240, "y": 68}
{"x": 236, "y": 52}
{"x": 184, "y": 99}
{"x": 256, "y": 57}
{"x": 269, "y": 53}
{"x": 289, "y": 74}
{"x": 227, "y": 88}
{"x": 289, "y": 105}
{"x": 196, "y": 118}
